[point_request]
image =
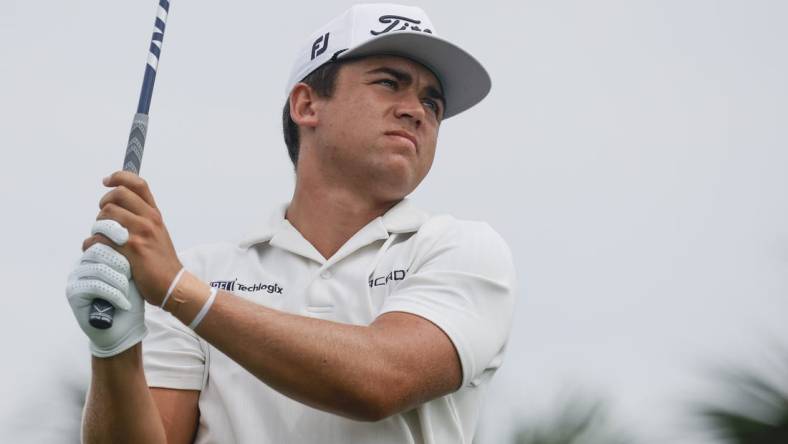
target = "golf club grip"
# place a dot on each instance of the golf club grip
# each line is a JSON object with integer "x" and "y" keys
{"x": 139, "y": 129}
{"x": 101, "y": 311}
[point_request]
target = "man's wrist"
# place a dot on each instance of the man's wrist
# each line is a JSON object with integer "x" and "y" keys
{"x": 132, "y": 356}
{"x": 187, "y": 298}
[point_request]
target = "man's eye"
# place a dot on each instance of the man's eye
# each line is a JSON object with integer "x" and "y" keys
{"x": 388, "y": 82}
{"x": 432, "y": 104}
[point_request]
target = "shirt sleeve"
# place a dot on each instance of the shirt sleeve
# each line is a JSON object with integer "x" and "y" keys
{"x": 462, "y": 279}
{"x": 173, "y": 355}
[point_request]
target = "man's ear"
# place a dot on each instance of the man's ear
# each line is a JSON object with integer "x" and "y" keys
{"x": 304, "y": 105}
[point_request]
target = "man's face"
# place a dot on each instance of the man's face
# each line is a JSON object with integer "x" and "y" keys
{"x": 380, "y": 128}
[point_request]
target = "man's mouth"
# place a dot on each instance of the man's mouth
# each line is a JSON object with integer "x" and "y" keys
{"x": 404, "y": 135}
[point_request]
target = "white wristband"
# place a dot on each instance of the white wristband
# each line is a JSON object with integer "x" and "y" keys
{"x": 204, "y": 309}
{"x": 172, "y": 287}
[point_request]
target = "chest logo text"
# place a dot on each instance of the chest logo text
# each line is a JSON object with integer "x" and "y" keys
{"x": 395, "y": 275}
{"x": 234, "y": 285}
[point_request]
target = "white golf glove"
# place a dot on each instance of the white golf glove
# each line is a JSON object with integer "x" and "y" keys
{"x": 104, "y": 273}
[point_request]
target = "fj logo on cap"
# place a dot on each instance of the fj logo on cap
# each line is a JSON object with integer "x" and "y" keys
{"x": 394, "y": 21}
{"x": 317, "y": 49}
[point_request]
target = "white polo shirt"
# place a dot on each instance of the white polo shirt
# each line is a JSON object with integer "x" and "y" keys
{"x": 457, "y": 274}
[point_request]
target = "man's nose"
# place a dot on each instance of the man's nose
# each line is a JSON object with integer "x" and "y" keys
{"x": 410, "y": 107}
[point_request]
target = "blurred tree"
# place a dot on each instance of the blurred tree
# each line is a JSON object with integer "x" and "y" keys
{"x": 580, "y": 420}
{"x": 758, "y": 413}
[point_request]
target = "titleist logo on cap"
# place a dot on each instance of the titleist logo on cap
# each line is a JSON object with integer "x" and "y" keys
{"x": 408, "y": 24}
{"x": 392, "y": 22}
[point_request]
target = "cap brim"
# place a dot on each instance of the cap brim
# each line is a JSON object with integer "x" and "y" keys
{"x": 464, "y": 80}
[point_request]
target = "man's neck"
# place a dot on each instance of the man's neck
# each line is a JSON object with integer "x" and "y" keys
{"x": 329, "y": 214}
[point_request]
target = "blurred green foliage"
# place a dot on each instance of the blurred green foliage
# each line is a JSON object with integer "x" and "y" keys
{"x": 757, "y": 410}
{"x": 580, "y": 420}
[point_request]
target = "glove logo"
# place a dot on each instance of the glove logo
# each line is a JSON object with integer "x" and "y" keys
{"x": 395, "y": 20}
{"x": 99, "y": 309}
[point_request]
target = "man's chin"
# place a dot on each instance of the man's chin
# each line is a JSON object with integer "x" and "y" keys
{"x": 390, "y": 187}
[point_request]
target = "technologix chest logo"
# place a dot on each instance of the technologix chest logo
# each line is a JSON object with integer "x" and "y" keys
{"x": 234, "y": 285}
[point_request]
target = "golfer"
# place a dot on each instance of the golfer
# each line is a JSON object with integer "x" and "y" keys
{"x": 348, "y": 316}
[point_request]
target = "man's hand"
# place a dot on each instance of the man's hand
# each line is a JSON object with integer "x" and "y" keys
{"x": 148, "y": 248}
{"x": 104, "y": 273}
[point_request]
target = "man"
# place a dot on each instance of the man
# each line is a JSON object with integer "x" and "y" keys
{"x": 350, "y": 316}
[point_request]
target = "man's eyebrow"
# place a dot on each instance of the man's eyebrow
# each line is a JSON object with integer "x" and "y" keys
{"x": 406, "y": 78}
{"x": 402, "y": 76}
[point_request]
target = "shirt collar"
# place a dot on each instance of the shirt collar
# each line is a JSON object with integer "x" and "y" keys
{"x": 403, "y": 217}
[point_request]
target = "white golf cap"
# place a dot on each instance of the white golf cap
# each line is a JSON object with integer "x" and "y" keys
{"x": 406, "y": 31}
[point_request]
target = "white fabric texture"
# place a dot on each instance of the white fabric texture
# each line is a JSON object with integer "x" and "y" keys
{"x": 104, "y": 273}
{"x": 457, "y": 274}
{"x": 116, "y": 232}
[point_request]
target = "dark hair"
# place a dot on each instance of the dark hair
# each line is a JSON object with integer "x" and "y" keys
{"x": 322, "y": 81}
